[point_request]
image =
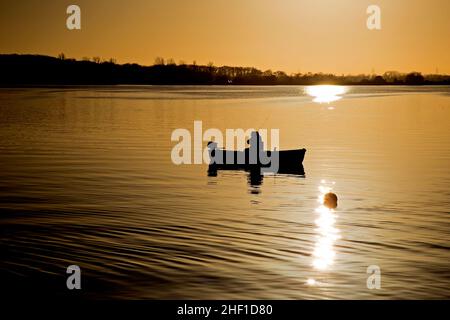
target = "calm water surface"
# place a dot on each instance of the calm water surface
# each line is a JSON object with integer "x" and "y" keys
{"x": 87, "y": 179}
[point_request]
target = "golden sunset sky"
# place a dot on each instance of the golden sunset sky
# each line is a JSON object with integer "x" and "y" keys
{"x": 289, "y": 35}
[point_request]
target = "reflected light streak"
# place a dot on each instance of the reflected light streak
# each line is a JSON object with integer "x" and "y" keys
{"x": 327, "y": 233}
{"x": 326, "y": 93}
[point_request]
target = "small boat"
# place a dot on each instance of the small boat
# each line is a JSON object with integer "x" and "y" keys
{"x": 289, "y": 161}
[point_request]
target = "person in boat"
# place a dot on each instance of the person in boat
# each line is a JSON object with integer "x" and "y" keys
{"x": 255, "y": 140}
{"x": 212, "y": 147}
{"x": 255, "y": 151}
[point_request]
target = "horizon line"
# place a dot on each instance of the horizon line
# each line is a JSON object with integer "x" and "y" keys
{"x": 181, "y": 62}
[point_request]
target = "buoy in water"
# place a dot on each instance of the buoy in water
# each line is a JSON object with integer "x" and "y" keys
{"x": 330, "y": 200}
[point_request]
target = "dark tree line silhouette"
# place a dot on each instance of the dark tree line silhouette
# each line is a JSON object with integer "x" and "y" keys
{"x": 45, "y": 70}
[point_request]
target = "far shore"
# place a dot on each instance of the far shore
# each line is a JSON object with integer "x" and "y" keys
{"x": 43, "y": 71}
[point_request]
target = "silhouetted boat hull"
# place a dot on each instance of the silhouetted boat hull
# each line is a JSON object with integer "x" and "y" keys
{"x": 289, "y": 161}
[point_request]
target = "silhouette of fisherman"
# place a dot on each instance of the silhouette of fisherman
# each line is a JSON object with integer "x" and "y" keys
{"x": 253, "y": 156}
{"x": 254, "y": 152}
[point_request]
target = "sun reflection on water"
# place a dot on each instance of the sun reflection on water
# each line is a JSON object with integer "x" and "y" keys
{"x": 327, "y": 233}
{"x": 326, "y": 93}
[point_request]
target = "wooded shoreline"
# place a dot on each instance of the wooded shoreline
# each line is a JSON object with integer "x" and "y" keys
{"x": 23, "y": 70}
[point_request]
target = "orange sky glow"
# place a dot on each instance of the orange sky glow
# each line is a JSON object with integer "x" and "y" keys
{"x": 289, "y": 35}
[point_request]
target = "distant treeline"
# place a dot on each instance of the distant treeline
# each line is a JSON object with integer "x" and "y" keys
{"x": 17, "y": 70}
